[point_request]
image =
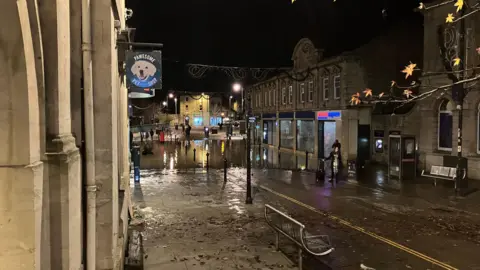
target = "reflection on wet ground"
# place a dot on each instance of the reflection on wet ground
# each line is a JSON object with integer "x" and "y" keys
{"x": 408, "y": 213}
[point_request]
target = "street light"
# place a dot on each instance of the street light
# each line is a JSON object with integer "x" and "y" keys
{"x": 176, "y": 108}
{"x": 170, "y": 95}
{"x": 238, "y": 88}
{"x": 164, "y": 103}
{"x": 230, "y": 105}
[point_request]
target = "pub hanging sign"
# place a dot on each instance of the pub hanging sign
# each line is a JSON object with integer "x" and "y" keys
{"x": 144, "y": 70}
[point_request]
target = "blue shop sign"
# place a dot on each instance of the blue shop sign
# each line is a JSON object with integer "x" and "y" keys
{"x": 329, "y": 115}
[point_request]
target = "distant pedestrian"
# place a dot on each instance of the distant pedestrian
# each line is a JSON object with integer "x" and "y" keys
{"x": 187, "y": 132}
{"x": 151, "y": 133}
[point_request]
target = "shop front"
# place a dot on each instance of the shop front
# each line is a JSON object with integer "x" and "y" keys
{"x": 287, "y": 134}
{"x": 305, "y": 122}
{"x": 268, "y": 128}
{"x": 327, "y": 131}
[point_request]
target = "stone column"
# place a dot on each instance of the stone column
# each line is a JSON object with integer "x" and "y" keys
{"x": 62, "y": 158}
{"x": 21, "y": 171}
{"x": 124, "y": 136}
{"x": 105, "y": 78}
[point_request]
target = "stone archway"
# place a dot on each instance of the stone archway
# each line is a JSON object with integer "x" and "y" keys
{"x": 21, "y": 171}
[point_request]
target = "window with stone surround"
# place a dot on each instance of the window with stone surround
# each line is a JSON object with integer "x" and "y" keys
{"x": 290, "y": 94}
{"x": 336, "y": 86}
{"x": 284, "y": 96}
{"x": 325, "y": 88}
{"x": 445, "y": 125}
{"x": 302, "y": 93}
{"x": 310, "y": 91}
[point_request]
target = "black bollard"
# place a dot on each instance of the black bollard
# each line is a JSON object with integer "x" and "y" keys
{"x": 207, "y": 160}
{"x": 225, "y": 170}
{"x": 279, "y": 165}
{"x": 136, "y": 163}
{"x": 306, "y": 160}
{"x": 194, "y": 154}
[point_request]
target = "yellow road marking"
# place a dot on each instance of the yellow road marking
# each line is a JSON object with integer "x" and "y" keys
{"x": 362, "y": 230}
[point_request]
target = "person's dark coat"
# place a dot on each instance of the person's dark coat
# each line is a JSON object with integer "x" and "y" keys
{"x": 331, "y": 157}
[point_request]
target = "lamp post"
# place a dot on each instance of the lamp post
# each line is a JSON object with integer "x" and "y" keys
{"x": 246, "y": 113}
{"x": 229, "y": 106}
{"x": 238, "y": 88}
{"x": 165, "y": 107}
{"x": 176, "y": 109}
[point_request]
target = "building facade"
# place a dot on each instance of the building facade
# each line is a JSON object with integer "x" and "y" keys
{"x": 434, "y": 121}
{"x": 308, "y": 112}
{"x": 202, "y": 110}
{"x": 42, "y": 163}
{"x": 307, "y": 109}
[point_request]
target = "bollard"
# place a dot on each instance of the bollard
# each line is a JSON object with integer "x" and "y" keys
{"x": 136, "y": 163}
{"x": 279, "y": 164}
{"x": 194, "y": 154}
{"x": 207, "y": 160}
{"x": 225, "y": 170}
{"x": 306, "y": 160}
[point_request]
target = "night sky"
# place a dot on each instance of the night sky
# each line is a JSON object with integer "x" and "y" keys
{"x": 254, "y": 33}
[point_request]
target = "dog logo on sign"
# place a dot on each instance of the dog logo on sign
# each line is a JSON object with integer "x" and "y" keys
{"x": 144, "y": 71}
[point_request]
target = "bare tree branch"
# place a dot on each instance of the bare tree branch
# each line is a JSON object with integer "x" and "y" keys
{"x": 468, "y": 14}
{"x": 425, "y": 7}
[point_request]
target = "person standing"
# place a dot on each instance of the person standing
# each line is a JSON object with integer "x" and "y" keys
{"x": 335, "y": 164}
{"x": 187, "y": 132}
{"x": 151, "y": 133}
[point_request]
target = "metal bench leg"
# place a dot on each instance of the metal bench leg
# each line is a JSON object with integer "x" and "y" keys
{"x": 300, "y": 259}
{"x": 277, "y": 239}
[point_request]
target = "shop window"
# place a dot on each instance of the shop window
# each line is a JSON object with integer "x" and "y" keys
{"x": 305, "y": 138}
{"x": 445, "y": 125}
{"x": 286, "y": 134}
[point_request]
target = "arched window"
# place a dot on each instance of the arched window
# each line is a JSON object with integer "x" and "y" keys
{"x": 445, "y": 125}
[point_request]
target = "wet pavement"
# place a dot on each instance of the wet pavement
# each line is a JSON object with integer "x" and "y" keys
{"x": 372, "y": 220}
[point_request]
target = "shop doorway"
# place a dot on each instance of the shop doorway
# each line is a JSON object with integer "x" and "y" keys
{"x": 326, "y": 137}
{"x": 363, "y": 145}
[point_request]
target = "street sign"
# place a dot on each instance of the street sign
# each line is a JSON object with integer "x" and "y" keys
{"x": 252, "y": 119}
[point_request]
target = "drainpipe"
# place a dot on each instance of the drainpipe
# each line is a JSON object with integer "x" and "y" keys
{"x": 89, "y": 185}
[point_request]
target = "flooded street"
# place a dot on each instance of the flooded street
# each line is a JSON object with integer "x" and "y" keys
{"x": 190, "y": 211}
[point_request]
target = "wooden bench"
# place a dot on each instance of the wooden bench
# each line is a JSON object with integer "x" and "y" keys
{"x": 281, "y": 223}
{"x": 442, "y": 173}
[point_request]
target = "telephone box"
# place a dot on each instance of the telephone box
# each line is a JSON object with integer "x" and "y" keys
{"x": 402, "y": 157}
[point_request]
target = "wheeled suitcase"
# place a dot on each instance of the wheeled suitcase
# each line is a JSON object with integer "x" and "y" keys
{"x": 320, "y": 174}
